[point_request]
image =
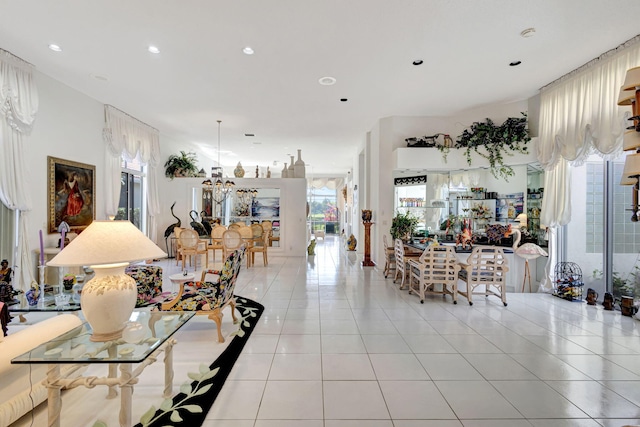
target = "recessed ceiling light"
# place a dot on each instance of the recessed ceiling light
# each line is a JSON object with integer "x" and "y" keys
{"x": 529, "y": 32}
{"x": 249, "y": 134}
{"x": 257, "y": 143}
{"x": 99, "y": 77}
{"x": 247, "y": 51}
{"x": 418, "y": 62}
{"x": 515, "y": 63}
{"x": 343, "y": 99}
{"x": 55, "y": 47}
{"x": 327, "y": 81}
{"x": 153, "y": 49}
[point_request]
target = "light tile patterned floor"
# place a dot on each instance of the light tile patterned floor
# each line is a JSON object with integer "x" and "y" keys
{"x": 340, "y": 346}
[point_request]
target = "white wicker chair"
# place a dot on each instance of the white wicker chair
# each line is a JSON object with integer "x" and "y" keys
{"x": 486, "y": 266}
{"x": 438, "y": 265}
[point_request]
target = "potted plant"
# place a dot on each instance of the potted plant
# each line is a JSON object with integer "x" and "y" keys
{"x": 403, "y": 226}
{"x": 493, "y": 142}
{"x": 183, "y": 165}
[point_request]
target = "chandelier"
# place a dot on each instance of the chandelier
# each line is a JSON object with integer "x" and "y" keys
{"x": 221, "y": 191}
{"x": 246, "y": 195}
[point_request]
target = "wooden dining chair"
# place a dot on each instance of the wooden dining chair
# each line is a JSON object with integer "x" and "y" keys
{"x": 261, "y": 246}
{"x": 389, "y": 257}
{"x": 191, "y": 245}
{"x": 231, "y": 240}
{"x": 247, "y": 236}
{"x": 216, "y": 240}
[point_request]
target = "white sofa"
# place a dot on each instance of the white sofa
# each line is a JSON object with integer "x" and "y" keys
{"x": 19, "y": 394}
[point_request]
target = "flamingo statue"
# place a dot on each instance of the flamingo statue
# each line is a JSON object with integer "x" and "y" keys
{"x": 527, "y": 251}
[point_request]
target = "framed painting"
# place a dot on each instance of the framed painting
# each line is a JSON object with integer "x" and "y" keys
{"x": 71, "y": 188}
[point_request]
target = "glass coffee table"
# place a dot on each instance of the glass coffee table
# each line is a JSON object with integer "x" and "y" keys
{"x": 76, "y": 348}
{"x": 21, "y": 307}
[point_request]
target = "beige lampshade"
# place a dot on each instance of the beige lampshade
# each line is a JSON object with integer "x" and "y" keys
{"x": 631, "y": 166}
{"x": 107, "y": 242}
{"x": 625, "y": 180}
{"x": 632, "y": 79}
{"x": 631, "y": 140}
{"x": 626, "y": 97}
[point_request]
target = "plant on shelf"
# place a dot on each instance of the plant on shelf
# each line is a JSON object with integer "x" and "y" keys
{"x": 182, "y": 165}
{"x": 403, "y": 225}
{"x": 493, "y": 142}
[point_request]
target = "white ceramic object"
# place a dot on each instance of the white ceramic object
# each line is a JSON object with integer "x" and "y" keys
{"x": 107, "y": 301}
{"x": 285, "y": 171}
{"x": 299, "y": 166}
{"x": 291, "y": 172}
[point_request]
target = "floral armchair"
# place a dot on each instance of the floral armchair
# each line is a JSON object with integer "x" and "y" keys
{"x": 210, "y": 298}
{"x": 149, "y": 281}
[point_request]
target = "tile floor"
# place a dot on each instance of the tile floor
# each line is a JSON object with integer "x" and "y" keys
{"x": 341, "y": 346}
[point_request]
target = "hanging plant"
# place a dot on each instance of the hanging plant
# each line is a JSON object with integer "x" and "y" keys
{"x": 494, "y": 142}
{"x": 183, "y": 165}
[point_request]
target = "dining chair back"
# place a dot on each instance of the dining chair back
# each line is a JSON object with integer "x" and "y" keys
{"x": 486, "y": 266}
{"x": 436, "y": 272}
{"x": 231, "y": 240}
{"x": 389, "y": 257}
{"x": 191, "y": 246}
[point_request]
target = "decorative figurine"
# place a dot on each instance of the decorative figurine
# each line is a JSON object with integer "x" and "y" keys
{"x": 257, "y": 172}
{"x": 311, "y": 249}
{"x": 268, "y": 172}
{"x": 351, "y": 243}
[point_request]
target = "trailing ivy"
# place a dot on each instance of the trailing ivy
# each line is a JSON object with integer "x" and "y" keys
{"x": 494, "y": 142}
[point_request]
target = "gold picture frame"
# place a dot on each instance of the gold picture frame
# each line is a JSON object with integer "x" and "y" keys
{"x": 71, "y": 190}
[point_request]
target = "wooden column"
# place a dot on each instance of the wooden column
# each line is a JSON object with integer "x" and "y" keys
{"x": 367, "y": 245}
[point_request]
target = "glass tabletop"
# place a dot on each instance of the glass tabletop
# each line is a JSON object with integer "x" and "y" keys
{"x": 49, "y": 304}
{"x": 151, "y": 330}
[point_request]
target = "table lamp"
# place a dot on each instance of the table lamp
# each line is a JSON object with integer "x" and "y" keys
{"x": 109, "y": 298}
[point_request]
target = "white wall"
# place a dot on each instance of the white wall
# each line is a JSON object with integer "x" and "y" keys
{"x": 68, "y": 126}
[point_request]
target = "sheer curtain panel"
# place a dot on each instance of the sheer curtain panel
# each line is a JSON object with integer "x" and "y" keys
{"x": 124, "y": 134}
{"x": 18, "y": 108}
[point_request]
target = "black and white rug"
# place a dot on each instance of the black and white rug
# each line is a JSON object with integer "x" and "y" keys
{"x": 190, "y": 406}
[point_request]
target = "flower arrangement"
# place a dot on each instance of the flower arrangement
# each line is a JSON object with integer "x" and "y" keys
{"x": 481, "y": 211}
{"x": 68, "y": 281}
{"x": 477, "y": 189}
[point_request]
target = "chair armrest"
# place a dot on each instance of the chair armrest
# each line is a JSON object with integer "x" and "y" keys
{"x": 166, "y": 306}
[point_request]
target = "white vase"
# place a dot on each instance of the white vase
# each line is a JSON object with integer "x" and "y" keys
{"x": 285, "y": 171}
{"x": 299, "y": 166}
{"x": 291, "y": 173}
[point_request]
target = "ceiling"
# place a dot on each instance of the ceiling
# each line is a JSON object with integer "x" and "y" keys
{"x": 201, "y": 74}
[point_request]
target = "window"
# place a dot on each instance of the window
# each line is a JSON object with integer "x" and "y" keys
{"x": 8, "y": 221}
{"x": 601, "y": 238}
{"x": 323, "y": 210}
{"x": 132, "y": 191}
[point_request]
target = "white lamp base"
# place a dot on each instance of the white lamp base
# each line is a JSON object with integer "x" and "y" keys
{"x": 108, "y": 300}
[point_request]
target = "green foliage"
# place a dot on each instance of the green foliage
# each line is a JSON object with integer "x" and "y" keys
{"x": 494, "y": 142}
{"x": 183, "y": 164}
{"x": 403, "y": 225}
{"x": 623, "y": 286}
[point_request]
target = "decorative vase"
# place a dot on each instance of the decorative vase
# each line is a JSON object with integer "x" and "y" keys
{"x": 239, "y": 171}
{"x": 351, "y": 243}
{"x": 291, "y": 172}
{"x": 285, "y": 171}
{"x": 366, "y": 215}
{"x": 299, "y": 166}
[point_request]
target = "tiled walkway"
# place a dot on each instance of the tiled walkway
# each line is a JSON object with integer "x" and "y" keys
{"x": 340, "y": 346}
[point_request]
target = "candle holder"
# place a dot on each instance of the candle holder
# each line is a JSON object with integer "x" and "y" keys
{"x": 41, "y": 285}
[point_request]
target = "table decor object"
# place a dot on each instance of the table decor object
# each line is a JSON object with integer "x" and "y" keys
{"x": 108, "y": 299}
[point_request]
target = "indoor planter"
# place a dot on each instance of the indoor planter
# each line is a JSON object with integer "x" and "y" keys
{"x": 493, "y": 142}
{"x": 403, "y": 226}
{"x": 182, "y": 165}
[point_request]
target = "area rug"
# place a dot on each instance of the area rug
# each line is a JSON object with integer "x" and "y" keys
{"x": 190, "y": 406}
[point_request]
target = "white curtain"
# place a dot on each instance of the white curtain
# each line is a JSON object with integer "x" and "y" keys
{"x": 579, "y": 116}
{"x": 330, "y": 183}
{"x": 126, "y": 135}
{"x": 18, "y": 108}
